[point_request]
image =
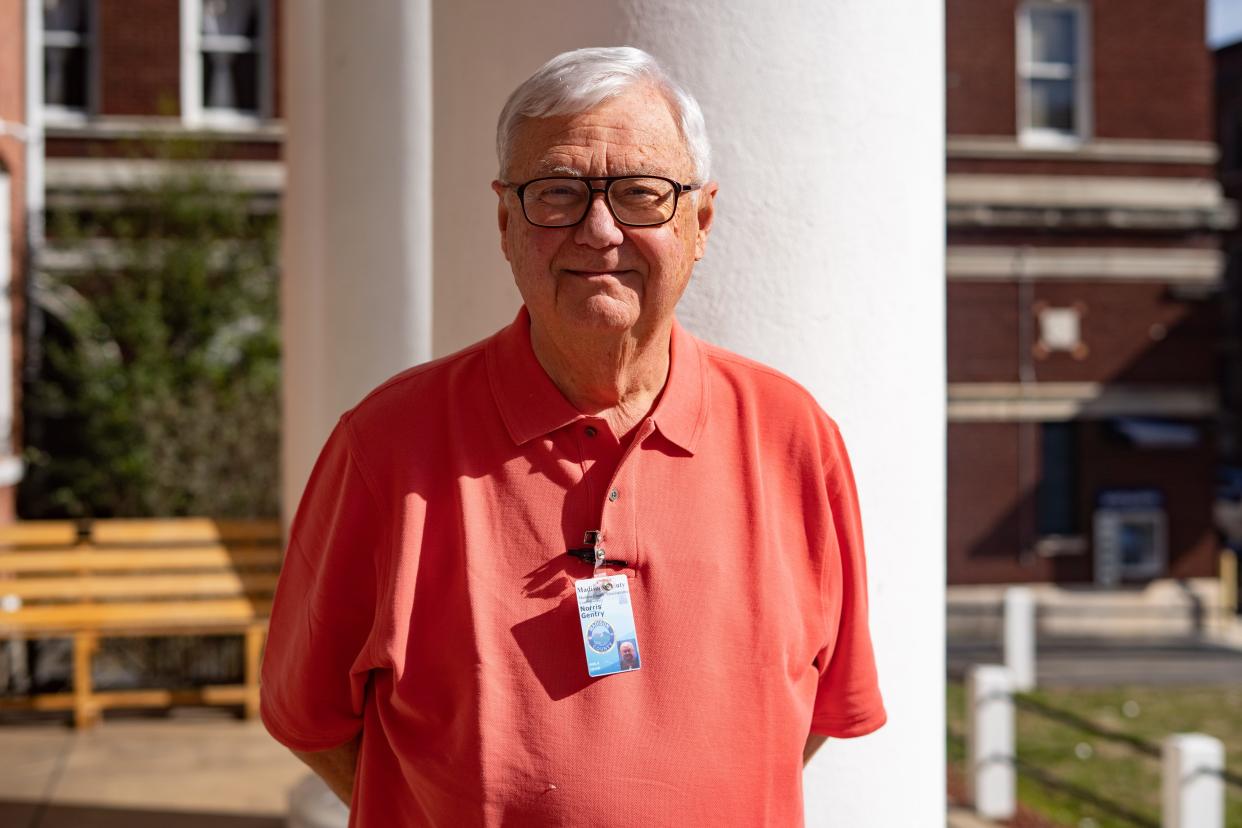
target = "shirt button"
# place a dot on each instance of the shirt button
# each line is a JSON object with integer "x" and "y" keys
{"x": 614, "y": 494}
{"x": 590, "y": 431}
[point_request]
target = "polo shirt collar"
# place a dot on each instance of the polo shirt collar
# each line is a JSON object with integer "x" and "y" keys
{"x": 531, "y": 405}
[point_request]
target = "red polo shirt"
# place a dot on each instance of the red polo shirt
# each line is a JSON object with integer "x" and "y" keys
{"x": 427, "y": 597}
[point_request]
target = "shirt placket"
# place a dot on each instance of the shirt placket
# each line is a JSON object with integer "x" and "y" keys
{"x": 619, "y": 515}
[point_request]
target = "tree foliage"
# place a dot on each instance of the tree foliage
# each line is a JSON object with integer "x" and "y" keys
{"x": 154, "y": 387}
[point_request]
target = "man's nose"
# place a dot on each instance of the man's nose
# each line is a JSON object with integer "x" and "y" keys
{"x": 599, "y": 229}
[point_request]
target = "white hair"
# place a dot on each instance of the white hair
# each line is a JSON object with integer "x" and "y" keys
{"x": 580, "y": 80}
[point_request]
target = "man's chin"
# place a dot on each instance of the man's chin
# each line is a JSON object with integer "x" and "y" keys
{"x": 605, "y": 313}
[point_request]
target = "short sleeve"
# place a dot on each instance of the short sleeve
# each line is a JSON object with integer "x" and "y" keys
{"x": 321, "y": 636}
{"x": 847, "y": 702}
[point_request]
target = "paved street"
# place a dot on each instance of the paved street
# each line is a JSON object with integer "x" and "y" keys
{"x": 1083, "y": 662}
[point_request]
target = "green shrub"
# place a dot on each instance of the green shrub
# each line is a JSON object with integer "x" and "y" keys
{"x": 153, "y": 389}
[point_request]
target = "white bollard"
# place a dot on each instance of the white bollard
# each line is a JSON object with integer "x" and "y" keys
{"x": 990, "y": 775}
{"x": 1193, "y": 790}
{"x": 1020, "y": 637}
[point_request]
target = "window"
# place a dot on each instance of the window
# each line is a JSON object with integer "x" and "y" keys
{"x": 226, "y": 60}
{"x": 1056, "y": 498}
{"x": 1053, "y": 84}
{"x": 67, "y": 26}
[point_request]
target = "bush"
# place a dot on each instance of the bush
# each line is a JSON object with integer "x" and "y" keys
{"x": 154, "y": 388}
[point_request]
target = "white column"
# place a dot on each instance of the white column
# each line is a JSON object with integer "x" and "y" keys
{"x": 827, "y": 262}
{"x": 1020, "y": 637}
{"x": 11, "y": 466}
{"x": 990, "y": 773}
{"x": 356, "y": 236}
{"x": 1193, "y": 791}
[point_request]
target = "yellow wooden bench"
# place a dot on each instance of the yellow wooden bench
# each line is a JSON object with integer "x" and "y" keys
{"x": 114, "y": 578}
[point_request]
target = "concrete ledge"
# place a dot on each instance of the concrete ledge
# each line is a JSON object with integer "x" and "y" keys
{"x": 1166, "y": 608}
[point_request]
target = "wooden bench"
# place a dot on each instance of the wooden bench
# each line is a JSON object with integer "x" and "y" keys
{"x": 115, "y": 578}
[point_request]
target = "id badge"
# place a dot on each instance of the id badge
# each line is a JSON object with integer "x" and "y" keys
{"x": 608, "y": 633}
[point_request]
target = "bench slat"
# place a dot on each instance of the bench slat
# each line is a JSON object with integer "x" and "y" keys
{"x": 93, "y": 558}
{"x": 184, "y": 530}
{"x": 38, "y": 533}
{"x": 108, "y": 616}
{"x": 140, "y": 586}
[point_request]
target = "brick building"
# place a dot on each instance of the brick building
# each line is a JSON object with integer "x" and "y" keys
{"x": 1084, "y": 271}
{"x": 115, "y": 75}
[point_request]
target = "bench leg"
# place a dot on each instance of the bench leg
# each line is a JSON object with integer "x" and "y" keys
{"x": 254, "y": 652}
{"x": 84, "y": 710}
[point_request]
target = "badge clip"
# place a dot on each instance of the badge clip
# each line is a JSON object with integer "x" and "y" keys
{"x": 595, "y": 553}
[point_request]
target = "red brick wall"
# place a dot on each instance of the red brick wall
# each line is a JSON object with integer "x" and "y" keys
{"x": 993, "y": 472}
{"x": 1001, "y": 166}
{"x": 1151, "y": 69}
{"x": 139, "y": 57}
{"x": 980, "y": 61}
{"x": 1117, "y": 327}
{"x": 13, "y": 162}
{"x": 1098, "y": 238}
{"x": 111, "y": 148}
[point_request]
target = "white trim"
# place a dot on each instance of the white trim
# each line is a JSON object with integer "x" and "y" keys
{"x": 1052, "y": 401}
{"x": 1138, "y": 264}
{"x": 34, "y": 129}
{"x": 132, "y": 127}
{"x": 191, "y": 67}
{"x": 97, "y": 175}
{"x": 12, "y": 470}
{"x": 1084, "y": 191}
{"x": 1049, "y": 138}
{"x": 1102, "y": 150}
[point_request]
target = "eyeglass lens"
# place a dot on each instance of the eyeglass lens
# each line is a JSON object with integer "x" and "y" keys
{"x": 561, "y": 202}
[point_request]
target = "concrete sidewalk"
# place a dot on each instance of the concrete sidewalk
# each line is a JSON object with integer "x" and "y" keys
{"x": 194, "y": 768}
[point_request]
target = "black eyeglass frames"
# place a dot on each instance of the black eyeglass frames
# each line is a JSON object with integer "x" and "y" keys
{"x": 633, "y": 200}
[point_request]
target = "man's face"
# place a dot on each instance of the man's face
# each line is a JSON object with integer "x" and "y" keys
{"x": 600, "y": 276}
{"x": 627, "y": 653}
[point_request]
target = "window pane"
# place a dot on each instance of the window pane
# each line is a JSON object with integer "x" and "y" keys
{"x": 1052, "y": 104}
{"x": 231, "y": 81}
{"x": 1053, "y": 36}
{"x": 1057, "y": 494}
{"x": 64, "y": 15}
{"x": 64, "y": 77}
{"x": 231, "y": 17}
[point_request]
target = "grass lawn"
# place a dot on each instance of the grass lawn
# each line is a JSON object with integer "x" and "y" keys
{"x": 1096, "y": 782}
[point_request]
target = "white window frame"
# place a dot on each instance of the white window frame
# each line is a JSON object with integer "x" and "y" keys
{"x": 193, "y": 111}
{"x": 1026, "y": 71}
{"x": 65, "y": 115}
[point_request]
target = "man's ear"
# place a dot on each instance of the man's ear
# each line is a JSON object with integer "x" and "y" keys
{"x": 706, "y": 209}
{"x": 502, "y": 217}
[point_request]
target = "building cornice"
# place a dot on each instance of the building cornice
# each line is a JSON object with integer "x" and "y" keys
{"x": 1114, "y": 150}
{"x": 986, "y": 200}
{"x": 105, "y": 176}
{"x": 137, "y": 127}
{"x": 1054, "y": 401}
{"x": 991, "y": 262}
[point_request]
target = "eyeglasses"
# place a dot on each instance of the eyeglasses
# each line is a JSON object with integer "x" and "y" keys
{"x": 633, "y": 200}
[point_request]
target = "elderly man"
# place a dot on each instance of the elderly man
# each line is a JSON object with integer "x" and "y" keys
{"x": 481, "y": 533}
